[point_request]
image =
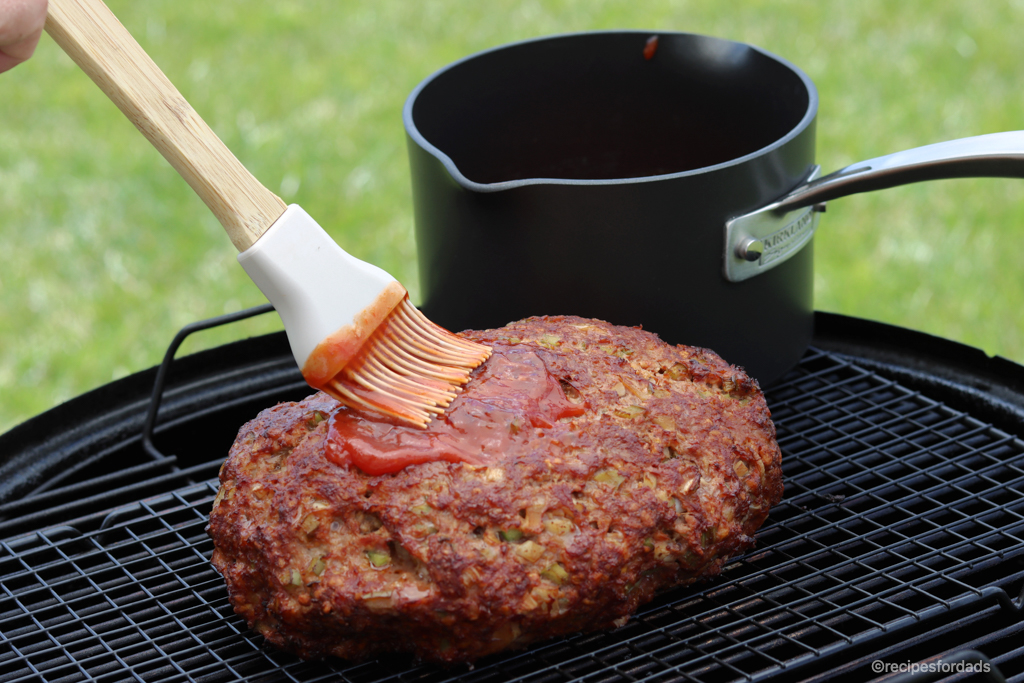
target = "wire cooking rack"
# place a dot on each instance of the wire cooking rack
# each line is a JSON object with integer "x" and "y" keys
{"x": 902, "y": 516}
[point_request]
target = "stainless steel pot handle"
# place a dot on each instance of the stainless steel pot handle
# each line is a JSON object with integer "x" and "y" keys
{"x": 762, "y": 239}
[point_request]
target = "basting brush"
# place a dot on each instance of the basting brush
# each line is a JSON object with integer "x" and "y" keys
{"x": 351, "y": 326}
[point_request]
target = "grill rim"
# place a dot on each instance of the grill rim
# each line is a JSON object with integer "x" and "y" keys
{"x": 964, "y": 377}
{"x": 33, "y": 451}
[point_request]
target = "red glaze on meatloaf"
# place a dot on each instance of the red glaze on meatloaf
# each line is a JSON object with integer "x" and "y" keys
{"x": 647, "y": 466}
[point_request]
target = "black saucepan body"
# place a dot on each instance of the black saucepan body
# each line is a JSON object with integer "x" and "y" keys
{"x": 575, "y": 175}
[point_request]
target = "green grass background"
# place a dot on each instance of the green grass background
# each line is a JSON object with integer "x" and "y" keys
{"x": 106, "y": 252}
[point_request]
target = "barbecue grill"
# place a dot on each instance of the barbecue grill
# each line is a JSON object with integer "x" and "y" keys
{"x": 900, "y": 538}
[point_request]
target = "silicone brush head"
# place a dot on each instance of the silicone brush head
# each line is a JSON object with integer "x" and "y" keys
{"x": 351, "y": 327}
{"x": 410, "y": 368}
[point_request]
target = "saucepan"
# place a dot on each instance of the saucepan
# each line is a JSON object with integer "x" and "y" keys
{"x": 667, "y": 181}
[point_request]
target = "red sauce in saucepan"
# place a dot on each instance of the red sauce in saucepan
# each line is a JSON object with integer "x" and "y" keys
{"x": 650, "y": 47}
{"x": 510, "y": 393}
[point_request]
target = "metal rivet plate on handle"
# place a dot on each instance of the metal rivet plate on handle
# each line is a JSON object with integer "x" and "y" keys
{"x": 762, "y": 239}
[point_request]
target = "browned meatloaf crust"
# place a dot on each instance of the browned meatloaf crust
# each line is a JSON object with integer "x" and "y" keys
{"x": 668, "y": 472}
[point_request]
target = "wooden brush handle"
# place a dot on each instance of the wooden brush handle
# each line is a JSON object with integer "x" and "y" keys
{"x": 94, "y": 38}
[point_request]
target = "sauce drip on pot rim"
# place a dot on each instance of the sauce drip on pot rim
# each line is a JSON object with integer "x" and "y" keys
{"x": 512, "y": 392}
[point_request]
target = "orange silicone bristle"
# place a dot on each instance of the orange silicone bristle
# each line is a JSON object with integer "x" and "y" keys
{"x": 409, "y": 368}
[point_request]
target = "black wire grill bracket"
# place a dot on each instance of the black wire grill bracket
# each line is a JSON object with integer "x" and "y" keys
{"x": 902, "y": 527}
{"x": 165, "y": 368}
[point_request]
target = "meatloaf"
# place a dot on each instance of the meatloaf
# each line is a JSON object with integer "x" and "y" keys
{"x": 583, "y": 469}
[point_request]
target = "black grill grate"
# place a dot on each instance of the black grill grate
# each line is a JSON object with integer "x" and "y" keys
{"x": 903, "y": 516}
